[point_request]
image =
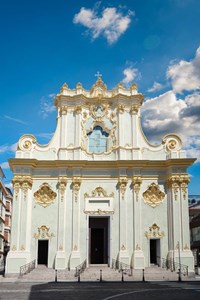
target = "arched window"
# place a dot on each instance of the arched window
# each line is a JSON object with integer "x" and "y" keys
{"x": 97, "y": 140}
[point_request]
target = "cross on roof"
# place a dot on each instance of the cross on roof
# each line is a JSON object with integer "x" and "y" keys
{"x": 98, "y": 75}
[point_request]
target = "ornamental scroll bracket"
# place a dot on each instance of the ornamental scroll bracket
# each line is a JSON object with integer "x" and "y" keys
{"x": 136, "y": 182}
{"x": 122, "y": 181}
{"x": 76, "y": 183}
{"x": 153, "y": 195}
{"x": 154, "y": 232}
{"x": 62, "y": 183}
{"x": 45, "y": 195}
{"x": 43, "y": 233}
{"x": 179, "y": 181}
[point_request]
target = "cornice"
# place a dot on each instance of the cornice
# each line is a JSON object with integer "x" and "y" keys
{"x": 93, "y": 164}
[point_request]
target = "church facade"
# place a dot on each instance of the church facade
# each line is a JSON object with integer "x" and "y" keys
{"x": 99, "y": 190}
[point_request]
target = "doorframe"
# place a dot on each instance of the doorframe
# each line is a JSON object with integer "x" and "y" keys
{"x": 158, "y": 251}
{"x": 88, "y": 236}
{"x": 47, "y": 251}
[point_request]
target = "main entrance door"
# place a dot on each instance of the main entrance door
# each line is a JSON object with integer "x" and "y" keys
{"x": 98, "y": 240}
{"x": 43, "y": 252}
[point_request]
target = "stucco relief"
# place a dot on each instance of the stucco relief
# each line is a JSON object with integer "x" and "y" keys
{"x": 98, "y": 192}
{"x": 101, "y": 115}
{"x": 153, "y": 195}
{"x": 43, "y": 233}
{"x": 154, "y": 232}
{"x": 45, "y": 195}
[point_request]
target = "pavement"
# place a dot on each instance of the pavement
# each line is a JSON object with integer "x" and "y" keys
{"x": 101, "y": 291}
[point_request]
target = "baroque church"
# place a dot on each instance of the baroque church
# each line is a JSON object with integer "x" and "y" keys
{"x": 99, "y": 190}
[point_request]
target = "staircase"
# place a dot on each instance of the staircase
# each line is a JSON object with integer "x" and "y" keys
{"x": 155, "y": 273}
{"x": 96, "y": 273}
{"x": 40, "y": 274}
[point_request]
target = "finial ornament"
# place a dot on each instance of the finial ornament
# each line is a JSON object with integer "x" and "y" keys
{"x": 99, "y": 75}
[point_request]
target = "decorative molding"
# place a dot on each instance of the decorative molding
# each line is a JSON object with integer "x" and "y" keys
{"x": 123, "y": 248}
{"x": 136, "y": 182}
{"x": 172, "y": 142}
{"x": 98, "y": 212}
{"x": 45, "y": 195}
{"x": 63, "y": 110}
{"x": 62, "y": 183}
{"x": 153, "y": 195}
{"x": 134, "y": 109}
{"x": 22, "y": 248}
{"x": 154, "y": 232}
{"x": 122, "y": 181}
{"x": 76, "y": 183}
{"x": 121, "y": 108}
{"x": 186, "y": 247}
{"x": 26, "y": 142}
{"x": 43, "y": 232}
{"x": 14, "y": 248}
{"x": 137, "y": 247}
{"x": 75, "y": 248}
{"x": 99, "y": 192}
{"x": 60, "y": 248}
{"x": 78, "y": 109}
{"x": 24, "y": 182}
{"x": 179, "y": 181}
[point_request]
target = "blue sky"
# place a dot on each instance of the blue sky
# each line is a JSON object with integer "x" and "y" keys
{"x": 46, "y": 43}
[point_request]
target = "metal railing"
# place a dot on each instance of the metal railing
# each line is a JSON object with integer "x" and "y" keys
{"x": 173, "y": 266}
{"x": 80, "y": 268}
{"x": 27, "y": 268}
{"x": 122, "y": 267}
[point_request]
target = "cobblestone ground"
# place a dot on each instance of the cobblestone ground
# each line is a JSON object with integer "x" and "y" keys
{"x": 103, "y": 291}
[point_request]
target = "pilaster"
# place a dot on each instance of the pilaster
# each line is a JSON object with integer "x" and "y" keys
{"x": 75, "y": 254}
{"x": 60, "y": 262}
{"x": 138, "y": 255}
{"x": 123, "y": 252}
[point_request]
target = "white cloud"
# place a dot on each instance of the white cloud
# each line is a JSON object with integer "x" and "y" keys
{"x": 47, "y": 106}
{"x": 168, "y": 114}
{"x": 14, "y": 120}
{"x": 5, "y": 165}
{"x": 130, "y": 74}
{"x": 111, "y": 24}
{"x": 184, "y": 75}
{"x": 7, "y": 148}
{"x": 156, "y": 87}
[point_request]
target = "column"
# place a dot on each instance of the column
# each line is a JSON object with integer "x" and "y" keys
{"x": 138, "y": 255}
{"x": 75, "y": 254}
{"x": 60, "y": 262}
{"x": 63, "y": 132}
{"x": 123, "y": 251}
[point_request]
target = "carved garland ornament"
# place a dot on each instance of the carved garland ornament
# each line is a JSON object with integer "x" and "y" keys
{"x": 122, "y": 185}
{"x": 153, "y": 195}
{"x": 62, "y": 183}
{"x": 43, "y": 232}
{"x": 98, "y": 192}
{"x": 98, "y": 212}
{"x": 137, "y": 181}
{"x": 76, "y": 183}
{"x": 45, "y": 195}
{"x": 154, "y": 232}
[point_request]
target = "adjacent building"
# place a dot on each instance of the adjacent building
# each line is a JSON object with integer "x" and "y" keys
{"x": 99, "y": 191}
{"x": 5, "y": 218}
